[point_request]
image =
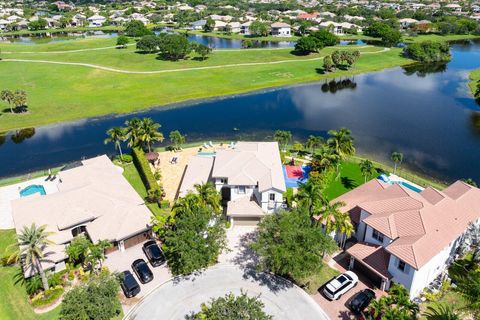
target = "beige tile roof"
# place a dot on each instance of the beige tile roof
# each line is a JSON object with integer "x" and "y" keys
{"x": 251, "y": 163}
{"x": 244, "y": 207}
{"x": 373, "y": 256}
{"x": 198, "y": 170}
{"x": 96, "y": 195}
{"x": 420, "y": 224}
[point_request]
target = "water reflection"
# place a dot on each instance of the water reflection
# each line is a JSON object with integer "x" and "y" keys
{"x": 21, "y": 135}
{"x": 423, "y": 69}
{"x": 333, "y": 86}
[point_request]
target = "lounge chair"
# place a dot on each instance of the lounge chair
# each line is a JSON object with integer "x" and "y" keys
{"x": 49, "y": 177}
{"x": 205, "y": 145}
{"x": 210, "y": 144}
{"x": 174, "y": 160}
{"x": 53, "y": 178}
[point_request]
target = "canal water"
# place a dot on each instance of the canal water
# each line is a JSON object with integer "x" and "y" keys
{"x": 425, "y": 112}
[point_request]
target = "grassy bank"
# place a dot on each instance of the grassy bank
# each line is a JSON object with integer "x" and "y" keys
{"x": 440, "y": 38}
{"x": 72, "y": 29}
{"x": 474, "y": 84}
{"x": 59, "y": 93}
{"x": 14, "y": 300}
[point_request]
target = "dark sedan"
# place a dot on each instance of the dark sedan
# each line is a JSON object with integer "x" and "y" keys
{"x": 142, "y": 270}
{"x": 153, "y": 253}
{"x": 129, "y": 285}
{"x": 361, "y": 300}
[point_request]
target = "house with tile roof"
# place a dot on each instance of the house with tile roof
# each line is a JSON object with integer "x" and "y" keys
{"x": 94, "y": 199}
{"x": 406, "y": 236}
{"x": 248, "y": 175}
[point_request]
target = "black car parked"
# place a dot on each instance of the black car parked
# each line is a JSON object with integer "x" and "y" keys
{"x": 153, "y": 253}
{"x": 361, "y": 300}
{"x": 129, "y": 285}
{"x": 142, "y": 270}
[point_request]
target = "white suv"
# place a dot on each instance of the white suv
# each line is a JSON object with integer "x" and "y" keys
{"x": 336, "y": 287}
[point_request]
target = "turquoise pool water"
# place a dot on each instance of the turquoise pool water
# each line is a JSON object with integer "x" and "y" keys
{"x": 409, "y": 186}
{"x": 206, "y": 154}
{"x": 35, "y": 188}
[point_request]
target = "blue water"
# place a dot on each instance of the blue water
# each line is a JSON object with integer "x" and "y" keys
{"x": 409, "y": 186}
{"x": 35, "y": 188}
{"x": 427, "y": 113}
{"x": 206, "y": 154}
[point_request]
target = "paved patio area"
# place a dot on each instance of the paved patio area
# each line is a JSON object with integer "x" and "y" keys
{"x": 12, "y": 192}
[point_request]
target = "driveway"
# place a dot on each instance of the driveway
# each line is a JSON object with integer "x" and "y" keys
{"x": 181, "y": 296}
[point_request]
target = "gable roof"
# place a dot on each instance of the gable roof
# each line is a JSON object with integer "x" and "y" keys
{"x": 420, "y": 224}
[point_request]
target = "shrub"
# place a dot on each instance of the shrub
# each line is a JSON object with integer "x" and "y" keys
{"x": 56, "y": 279}
{"x": 48, "y": 297}
{"x": 143, "y": 168}
{"x": 136, "y": 28}
{"x": 164, "y": 204}
{"x": 127, "y": 158}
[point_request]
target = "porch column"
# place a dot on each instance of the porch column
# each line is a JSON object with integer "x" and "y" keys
{"x": 352, "y": 262}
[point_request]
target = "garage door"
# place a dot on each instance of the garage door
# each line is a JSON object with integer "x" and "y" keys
{"x": 372, "y": 276}
{"x": 245, "y": 221}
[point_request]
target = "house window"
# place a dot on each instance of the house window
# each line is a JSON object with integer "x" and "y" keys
{"x": 241, "y": 189}
{"x": 272, "y": 196}
{"x": 401, "y": 266}
{"x": 223, "y": 180}
{"x": 377, "y": 235}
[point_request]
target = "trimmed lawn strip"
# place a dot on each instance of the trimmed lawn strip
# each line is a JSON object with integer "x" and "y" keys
{"x": 14, "y": 298}
{"x": 475, "y": 80}
{"x": 58, "y": 93}
{"x": 17, "y": 179}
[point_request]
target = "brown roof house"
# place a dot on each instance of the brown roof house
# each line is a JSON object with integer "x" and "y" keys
{"x": 408, "y": 236}
{"x": 94, "y": 199}
{"x": 248, "y": 175}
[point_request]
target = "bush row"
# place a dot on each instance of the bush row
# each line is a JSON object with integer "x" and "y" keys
{"x": 48, "y": 297}
{"x": 141, "y": 163}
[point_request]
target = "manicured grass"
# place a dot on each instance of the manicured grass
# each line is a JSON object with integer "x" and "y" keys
{"x": 440, "y": 38}
{"x": 14, "y": 300}
{"x": 474, "y": 83}
{"x": 73, "y": 29}
{"x": 59, "y": 93}
{"x": 133, "y": 177}
{"x": 319, "y": 278}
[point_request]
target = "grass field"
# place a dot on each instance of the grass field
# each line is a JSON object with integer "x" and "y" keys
{"x": 475, "y": 83}
{"x": 14, "y": 300}
{"x": 59, "y": 93}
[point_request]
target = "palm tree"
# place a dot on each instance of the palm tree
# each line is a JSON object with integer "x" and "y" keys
{"x": 341, "y": 142}
{"x": 96, "y": 254}
{"x": 188, "y": 204}
{"x": 132, "y": 132}
{"x": 149, "y": 132}
{"x": 32, "y": 242}
{"x": 334, "y": 219}
{"x": 367, "y": 168}
{"x": 441, "y": 312}
{"x": 283, "y": 138}
{"x": 177, "y": 139}
{"x": 344, "y": 226}
{"x": 325, "y": 159}
{"x": 377, "y": 308}
{"x": 310, "y": 195}
{"x": 397, "y": 159}
{"x": 209, "y": 196}
{"x": 313, "y": 142}
{"x": 7, "y": 96}
{"x": 116, "y": 135}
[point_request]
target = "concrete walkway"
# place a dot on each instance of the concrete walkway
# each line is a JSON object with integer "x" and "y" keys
{"x": 180, "y": 297}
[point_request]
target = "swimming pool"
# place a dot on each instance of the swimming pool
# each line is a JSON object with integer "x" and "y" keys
{"x": 34, "y": 188}
{"x": 409, "y": 186}
{"x": 206, "y": 154}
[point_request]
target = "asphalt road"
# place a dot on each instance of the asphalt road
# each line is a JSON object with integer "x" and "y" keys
{"x": 180, "y": 297}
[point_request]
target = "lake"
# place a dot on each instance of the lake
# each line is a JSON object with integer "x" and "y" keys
{"x": 425, "y": 112}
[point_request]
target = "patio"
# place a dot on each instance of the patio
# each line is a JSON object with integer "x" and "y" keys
{"x": 12, "y": 192}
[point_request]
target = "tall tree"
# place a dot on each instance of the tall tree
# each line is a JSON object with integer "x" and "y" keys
{"x": 283, "y": 137}
{"x": 177, "y": 139}
{"x": 367, "y": 168}
{"x": 132, "y": 132}
{"x": 149, "y": 132}
{"x": 341, "y": 142}
{"x": 325, "y": 159}
{"x": 313, "y": 142}
{"x": 116, "y": 135}
{"x": 32, "y": 242}
{"x": 209, "y": 196}
{"x": 289, "y": 244}
{"x": 310, "y": 196}
{"x": 397, "y": 159}
{"x": 96, "y": 255}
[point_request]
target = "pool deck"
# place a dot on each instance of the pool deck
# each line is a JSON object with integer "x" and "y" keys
{"x": 12, "y": 192}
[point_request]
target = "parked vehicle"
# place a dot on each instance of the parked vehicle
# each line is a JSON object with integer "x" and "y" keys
{"x": 336, "y": 287}
{"x": 361, "y": 300}
{"x": 129, "y": 285}
{"x": 153, "y": 253}
{"x": 142, "y": 271}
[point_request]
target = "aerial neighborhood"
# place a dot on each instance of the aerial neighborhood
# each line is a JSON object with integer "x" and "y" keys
{"x": 251, "y": 159}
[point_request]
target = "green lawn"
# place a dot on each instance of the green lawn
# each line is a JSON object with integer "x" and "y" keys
{"x": 133, "y": 177}
{"x": 58, "y": 93}
{"x": 318, "y": 279}
{"x": 14, "y": 300}
{"x": 450, "y": 298}
{"x": 437, "y": 37}
{"x": 474, "y": 83}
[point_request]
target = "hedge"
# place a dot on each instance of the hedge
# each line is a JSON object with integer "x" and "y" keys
{"x": 47, "y": 297}
{"x": 141, "y": 163}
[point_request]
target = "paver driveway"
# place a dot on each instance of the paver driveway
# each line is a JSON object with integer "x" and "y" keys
{"x": 180, "y": 297}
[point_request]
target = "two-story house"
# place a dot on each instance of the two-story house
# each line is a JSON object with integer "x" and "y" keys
{"x": 248, "y": 176}
{"x": 408, "y": 236}
{"x": 281, "y": 29}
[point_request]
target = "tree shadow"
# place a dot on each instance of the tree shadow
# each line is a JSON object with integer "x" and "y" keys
{"x": 299, "y": 53}
{"x": 199, "y": 59}
{"x": 348, "y": 183}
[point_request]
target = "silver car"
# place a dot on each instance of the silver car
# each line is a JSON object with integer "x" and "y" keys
{"x": 336, "y": 287}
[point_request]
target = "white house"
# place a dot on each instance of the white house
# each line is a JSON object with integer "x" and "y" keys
{"x": 248, "y": 176}
{"x": 96, "y": 21}
{"x": 4, "y": 24}
{"x": 245, "y": 28}
{"x": 198, "y": 25}
{"x": 281, "y": 29}
{"x": 406, "y": 235}
{"x": 407, "y": 22}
